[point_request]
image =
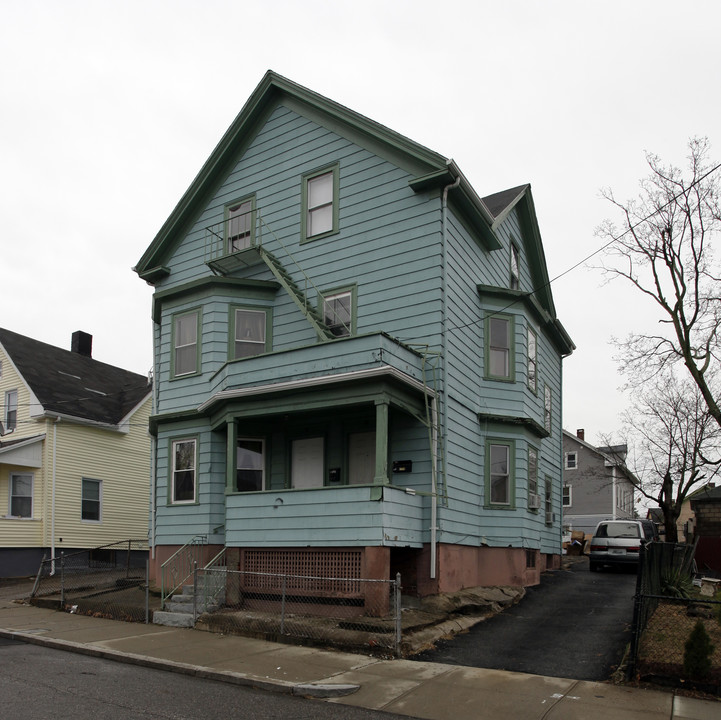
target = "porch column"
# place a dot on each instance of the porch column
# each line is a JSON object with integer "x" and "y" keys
{"x": 230, "y": 454}
{"x": 381, "y": 474}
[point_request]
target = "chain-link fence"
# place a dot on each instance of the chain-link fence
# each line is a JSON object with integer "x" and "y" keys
{"x": 109, "y": 581}
{"x": 676, "y": 632}
{"x": 352, "y": 613}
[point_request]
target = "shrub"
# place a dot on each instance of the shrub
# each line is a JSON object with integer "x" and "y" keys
{"x": 697, "y": 652}
{"x": 676, "y": 583}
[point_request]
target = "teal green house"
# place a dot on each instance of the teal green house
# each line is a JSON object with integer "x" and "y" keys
{"x": 357, "y": 359}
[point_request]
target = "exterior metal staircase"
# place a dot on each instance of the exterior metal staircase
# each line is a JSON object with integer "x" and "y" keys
{"x": 298, "y": 296}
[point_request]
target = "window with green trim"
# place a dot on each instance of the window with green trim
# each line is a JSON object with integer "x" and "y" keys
{"x": 239, "y": 224}
{"x": 515, "y": 280}
{"x": 338, "y": 313}
{"x": 250, "y": 465}
{"x": 319, "y": 204}
{"x": 500, "y": 483}
{"x": 547, "y": 407}
{"x": 183, "y": 471}
{"x": 499, "y": 347}
{"x": 533, "y": 502}
{"x": 250, "y": 332}
{"x": 532, "y": 360}
{"x": 549, "y": 501}
{"x": 186, "y": 331}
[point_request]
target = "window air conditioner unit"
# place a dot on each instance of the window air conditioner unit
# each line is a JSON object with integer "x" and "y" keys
{"x": 534, "y": 502}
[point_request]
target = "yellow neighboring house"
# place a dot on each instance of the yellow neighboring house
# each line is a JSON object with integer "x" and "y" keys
{"x": 74, "y": 452}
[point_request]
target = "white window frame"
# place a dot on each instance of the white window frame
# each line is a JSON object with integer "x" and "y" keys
{"x": 175, "y": 470}
{"x": 574, "y": 454}
{"x": 11, "y": 409}
{"x": 567, "y": 494}
{"x": 99, "y": 500}
{"x": 13, "y": 477}
{"x": 252, "y": 469}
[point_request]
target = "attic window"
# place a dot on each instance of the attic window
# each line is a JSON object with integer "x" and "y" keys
{"x": 320, "y": 204}
{"x": 515, "y": 281}
{"x": 239, "y": 227}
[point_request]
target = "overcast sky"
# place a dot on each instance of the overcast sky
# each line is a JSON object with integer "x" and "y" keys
{"x": 109, "y": 109}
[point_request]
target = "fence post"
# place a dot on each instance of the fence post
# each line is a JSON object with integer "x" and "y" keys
{"x": 636, "y": 622}
{"x": 147, "y": 591}
{"x": 127, "y": 562}
{"x": 282, "y": 607}
{"x": 399, "y": 627}
{"x": 62, "y": 579}
{"x": 195, "y": 591}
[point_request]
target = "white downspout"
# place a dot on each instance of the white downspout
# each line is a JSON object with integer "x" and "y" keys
{"x": 444, "y": 381}
{"x": 52, "y": 506}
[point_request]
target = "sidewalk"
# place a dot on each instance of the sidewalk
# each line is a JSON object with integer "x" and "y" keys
{"x": 423, "y": 690}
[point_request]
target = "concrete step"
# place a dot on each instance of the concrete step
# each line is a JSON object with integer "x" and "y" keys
{"x": 187, "y": 607}
{"x": 173, "y": 619}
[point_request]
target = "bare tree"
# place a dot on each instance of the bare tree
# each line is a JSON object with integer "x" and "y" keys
{"x": 676, "y": 444}
{"x": 663, "y": 248}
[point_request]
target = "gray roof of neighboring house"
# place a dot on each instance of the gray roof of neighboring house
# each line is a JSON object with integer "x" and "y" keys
{"x": 705, "y": 493}
{"x": 71, "y": 384}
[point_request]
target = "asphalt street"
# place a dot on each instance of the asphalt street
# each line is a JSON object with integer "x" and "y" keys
{"x": 575, "y": 624}
{"x": 38, "y": 683}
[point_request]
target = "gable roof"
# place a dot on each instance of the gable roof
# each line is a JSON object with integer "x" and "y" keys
{"x": 430, "y": 170}
{"x": 69, "y": 384}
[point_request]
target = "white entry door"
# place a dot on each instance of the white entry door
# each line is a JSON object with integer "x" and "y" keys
{"x": 361, "y": 458}
{"x": 307, "y": 463}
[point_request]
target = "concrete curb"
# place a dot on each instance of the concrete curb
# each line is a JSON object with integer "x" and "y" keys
{"x": 319, "y": 690}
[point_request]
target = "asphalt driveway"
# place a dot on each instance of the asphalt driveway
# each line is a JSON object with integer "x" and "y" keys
{"x": 575, "y": 624}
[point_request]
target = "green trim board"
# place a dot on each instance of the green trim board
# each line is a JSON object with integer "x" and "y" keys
{"x": 525, "y": 422}
{"x": 210, "y": 286}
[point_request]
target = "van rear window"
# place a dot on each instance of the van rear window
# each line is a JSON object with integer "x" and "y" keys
{"x": 618, "y": 530}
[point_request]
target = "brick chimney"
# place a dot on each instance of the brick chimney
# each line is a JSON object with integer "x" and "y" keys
{"x": 82, "y": 343}
{"x": 581, "y": 434}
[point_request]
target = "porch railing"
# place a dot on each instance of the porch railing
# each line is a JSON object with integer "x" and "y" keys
{"x": 180, "y": 565}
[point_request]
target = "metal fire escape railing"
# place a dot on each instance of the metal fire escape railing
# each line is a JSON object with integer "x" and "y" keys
{"x": 251, "y": 248}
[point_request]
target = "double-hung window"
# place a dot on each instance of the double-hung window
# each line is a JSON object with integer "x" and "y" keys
{"x": 338, "y": 313}
{"x": 533, "y": 502}
{"x": 571, "y": 460}
{"x": 549, "y": 501}
{"x": 183, "y": 479}
{"x": 547, "y": 406}
{"x": 567, "y": 495}
{"x": 185, "y": 343}
{"x": 250, "y": 465}
{"x": 499, "y": 347}
{"x": 499, "y": 474}
{"x": 91, "y": 500}
{"x": 239, "y": 225}
{"x": 21, "y": 495}
{"x": 11, "y": 410}
{"x": 250, "y": 332}
{"x": 532, "y": 360}
{"x": 320, "y": 204}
